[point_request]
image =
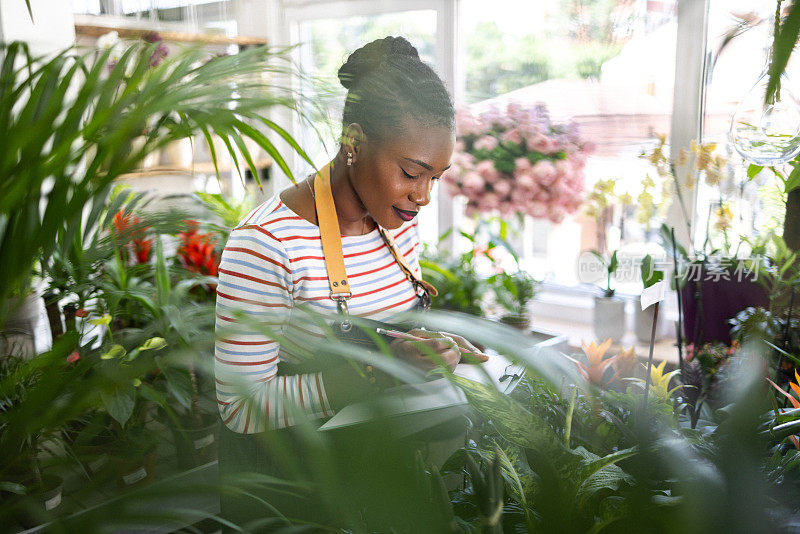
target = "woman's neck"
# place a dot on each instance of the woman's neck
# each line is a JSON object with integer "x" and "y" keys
{"x": 353, "y": 216}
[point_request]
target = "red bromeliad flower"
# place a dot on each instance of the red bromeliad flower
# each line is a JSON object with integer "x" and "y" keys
{"x": 74, "y": 357}
{"x": 131, "y": 234}
{"x": 81, "y": 313}
{"x": 197, "y": 251}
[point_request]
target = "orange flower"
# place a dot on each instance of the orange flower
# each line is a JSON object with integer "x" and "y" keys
{"x": 595, "y": 369}
{"x": 624, "y": 362}
{"x": 131, "y": 235}
{"x": 795, "y": 403}
{"x": 197, "y": 252}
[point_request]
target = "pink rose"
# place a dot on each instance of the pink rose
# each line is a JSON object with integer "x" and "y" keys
{"x": 544, "y": 172}
{"x": 538, "y": 210}
{"x": 502, "y": 187}
{"x": 540, "y": 143}
{"x": 486, "y": 169}
{"x": 473, "y": 182}
{"x": 525, "y": 180}
{"x": 522, "y": 165}
{"x": 556, "y": 215}
{"x": 486, "y": 142}
{"x": 466, "y": 123}
{"x": 512, "y": 136}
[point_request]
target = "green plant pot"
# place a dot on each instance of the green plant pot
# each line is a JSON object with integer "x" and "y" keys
{"x": 197, "y": 446}
{"x": 134, "y": 471}
{"x": 43, "y": 497}
{"x": 520, "y": 322}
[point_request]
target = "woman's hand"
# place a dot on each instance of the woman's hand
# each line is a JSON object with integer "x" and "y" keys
{"x": 469, "y": 352}
{"x": 436, "y": 348}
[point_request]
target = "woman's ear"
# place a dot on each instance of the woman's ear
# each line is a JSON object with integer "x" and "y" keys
{"x": 352, "y": 139}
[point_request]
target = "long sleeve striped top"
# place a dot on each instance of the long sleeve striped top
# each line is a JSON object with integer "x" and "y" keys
{"x": 272, "y": 267}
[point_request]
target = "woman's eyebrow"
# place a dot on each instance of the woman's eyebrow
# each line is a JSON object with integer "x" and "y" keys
{"x": 423, "y": 164}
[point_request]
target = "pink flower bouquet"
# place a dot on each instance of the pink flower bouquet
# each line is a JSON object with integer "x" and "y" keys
{"x": 517, "y": 162}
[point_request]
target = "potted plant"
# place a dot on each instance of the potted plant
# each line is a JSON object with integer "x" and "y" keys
{"x": 609, "y": 311}
{"x": 21, "y": 471}
{"x": 514, "y": 292}
{"x": 126, "y": 396}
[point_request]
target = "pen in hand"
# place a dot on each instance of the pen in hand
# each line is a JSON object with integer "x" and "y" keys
{"x": 409, "y": 337}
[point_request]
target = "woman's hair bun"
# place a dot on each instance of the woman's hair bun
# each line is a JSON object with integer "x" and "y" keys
{"x": 371, "y": 56}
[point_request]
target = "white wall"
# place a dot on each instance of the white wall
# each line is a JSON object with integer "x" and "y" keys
{"x": 52, "y": 27}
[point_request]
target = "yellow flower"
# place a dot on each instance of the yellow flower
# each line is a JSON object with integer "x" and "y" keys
{"x": 683, "y": 157}
{"x": 724, "y": 217}
{"x": 659, "y": 382}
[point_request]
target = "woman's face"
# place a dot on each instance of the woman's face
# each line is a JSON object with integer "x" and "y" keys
{"x": 394, "y": 178}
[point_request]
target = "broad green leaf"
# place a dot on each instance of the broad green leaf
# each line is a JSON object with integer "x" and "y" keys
{"x": 783, "y": 46}
{"x": 119, "y": 402}
{"x": 753, "y": 170}
{"x": 179, "y": 382}
{"x": 592, "y": 465}
{"x": 612, "y": 264}
{"x": 793, "y": 181}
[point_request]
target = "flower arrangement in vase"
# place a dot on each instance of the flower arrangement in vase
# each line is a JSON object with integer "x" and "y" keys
{"x": 517, "y": 161}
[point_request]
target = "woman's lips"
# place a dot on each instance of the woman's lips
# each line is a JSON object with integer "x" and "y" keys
{"x": 405, "y": 215}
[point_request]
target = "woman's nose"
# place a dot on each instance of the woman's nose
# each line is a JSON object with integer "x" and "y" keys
{"x": 421, "y": 195}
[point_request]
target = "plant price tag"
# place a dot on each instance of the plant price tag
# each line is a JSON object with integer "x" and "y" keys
{"x": 203, "y": 442}
{"x": 51, "y": 503}
{"x": 653, "y": 294}
{"x": 136, "y": 476}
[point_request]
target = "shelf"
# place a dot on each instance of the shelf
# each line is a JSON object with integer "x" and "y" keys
{"x": 95, "y": 26}
{"x": 205, "y": 167}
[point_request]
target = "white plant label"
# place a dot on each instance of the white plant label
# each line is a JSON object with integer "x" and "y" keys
{"x": 49, "y": 504}
{"x": 655, "y": 293}
{"x": 97, "y": 464}
{"x": 134, "y": 477}
{"x": 203, "y": 442}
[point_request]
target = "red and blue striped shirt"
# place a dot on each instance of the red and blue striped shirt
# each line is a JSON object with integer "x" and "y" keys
{"x": 272, "y": 268}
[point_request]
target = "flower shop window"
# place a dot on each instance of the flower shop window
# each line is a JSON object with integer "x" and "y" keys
{"x": 729, "y": 203}
{"x": 324, "y": 44}
{"x": 601, "y": 72}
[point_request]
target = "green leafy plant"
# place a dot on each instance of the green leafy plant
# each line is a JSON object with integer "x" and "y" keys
{"x": 62, "y": 146}
{"x": 611, "y": 268}
{"x": 514, "y": 292}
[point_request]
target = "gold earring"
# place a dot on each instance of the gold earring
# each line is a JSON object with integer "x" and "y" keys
{"x": 349, "y": 159}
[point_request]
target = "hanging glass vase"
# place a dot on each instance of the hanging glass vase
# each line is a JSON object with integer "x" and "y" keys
{"x": 767, "y": 134}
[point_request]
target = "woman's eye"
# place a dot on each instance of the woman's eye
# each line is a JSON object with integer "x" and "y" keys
{"x": 408, "y": 175}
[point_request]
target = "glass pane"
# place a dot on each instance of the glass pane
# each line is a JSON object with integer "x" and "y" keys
{"x": 607, "y": 66}
{"x": 324, "y": 46}
{"x": 736, "y": 65}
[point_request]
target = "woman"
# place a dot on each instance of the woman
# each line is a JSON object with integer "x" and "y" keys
{"x": 398, "y": 137}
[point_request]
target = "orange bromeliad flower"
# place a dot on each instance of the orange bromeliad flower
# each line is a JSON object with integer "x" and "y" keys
{"x": 197, "y": 251}
{"x": 624, "y": 363}
{"x": 795, "y": 403}
{"x": 130, "y": 234}
{"x": 595, "y": 369}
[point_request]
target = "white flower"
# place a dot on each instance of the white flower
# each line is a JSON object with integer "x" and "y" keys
{"x": 108, "y": 40}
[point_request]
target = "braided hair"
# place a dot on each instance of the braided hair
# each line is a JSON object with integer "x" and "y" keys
{"x": 386, "y": 82}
